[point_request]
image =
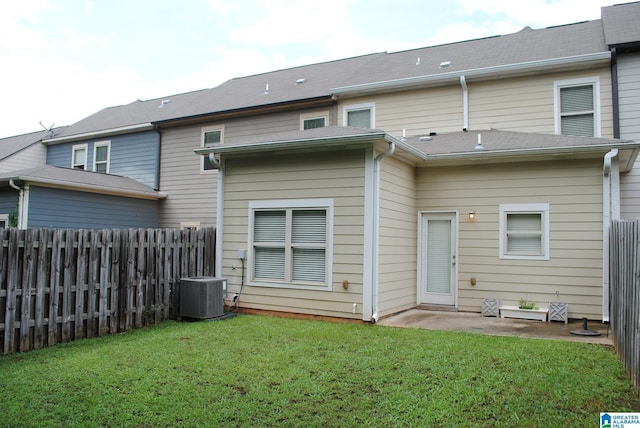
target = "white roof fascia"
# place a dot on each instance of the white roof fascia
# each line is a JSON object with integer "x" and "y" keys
{"x": 288, "y": 144}
{"x": 102, "y": 133}
{"x": 541, "y": 151}
{"x": 309, "y": 143}
{"x": 494, "y": 71}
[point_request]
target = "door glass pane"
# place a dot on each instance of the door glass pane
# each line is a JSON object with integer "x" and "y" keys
{"x": 439, "y": 256}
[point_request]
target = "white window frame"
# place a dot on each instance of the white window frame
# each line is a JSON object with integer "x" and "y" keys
{"x": 543, "y": 210}
{"x": 292, "y": 204}
{"x": 560, "y": 84}
{"x": 203, "y": 131}
{"x": 356, "y": 107}
{"x": 106, "y": 144}
{"x": 74, "y": 149}
{"x": 311, "y": 116}
{"x": 4, "y": 218}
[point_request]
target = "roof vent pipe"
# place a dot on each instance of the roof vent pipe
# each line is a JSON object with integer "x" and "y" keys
{"x": 465, "y": 103}
{"x": 479, "y": 146}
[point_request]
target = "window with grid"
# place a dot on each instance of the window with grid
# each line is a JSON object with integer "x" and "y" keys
{"x": 79, "y": 156}
{"x": 577, "y": 108}
{"x": 211, "y": 137}
{"x": 290, "y": 245}
{"x": 101, "y": 157}
{"x": 524, "y": 231}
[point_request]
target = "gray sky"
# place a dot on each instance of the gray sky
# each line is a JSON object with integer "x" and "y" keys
{"x": 62, "y": 60}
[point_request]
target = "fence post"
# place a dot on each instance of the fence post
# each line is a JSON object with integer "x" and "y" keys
{"x": 28, "y": 277}
{"x": 12, "y": 286}
{"x": 116, "y": 256}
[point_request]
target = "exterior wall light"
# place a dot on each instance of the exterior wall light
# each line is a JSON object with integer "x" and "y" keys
{"x": 472, "y": 215}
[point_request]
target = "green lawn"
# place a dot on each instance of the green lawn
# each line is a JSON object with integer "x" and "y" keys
{"x": 264, "y": 371}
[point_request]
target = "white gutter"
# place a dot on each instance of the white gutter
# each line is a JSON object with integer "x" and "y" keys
{"x": 21, "y": 207}
{"x": 324, "y": 142}
{"x": 376, "y": 231}
{"x": 465, "y": 103}
{"x": 492, "y": 72}
{"x": 101, "y": 133}
{"x": 542, "y": 151}
{"x": 610, "y": 208}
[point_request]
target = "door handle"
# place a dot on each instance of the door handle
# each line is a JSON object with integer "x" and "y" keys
{"x": 453, "y": 260}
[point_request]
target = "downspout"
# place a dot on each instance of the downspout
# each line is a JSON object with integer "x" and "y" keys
{"x": 376, "y": 232}
{"x": 614, "y": 93}
{"x": 219, "y": 213}
{"x": 465, "y": 103}
{"x": 610, "y": 198}
{"x": 20, "y": 202}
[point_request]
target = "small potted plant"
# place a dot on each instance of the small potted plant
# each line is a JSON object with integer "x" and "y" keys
{"x": 525, "y": 304}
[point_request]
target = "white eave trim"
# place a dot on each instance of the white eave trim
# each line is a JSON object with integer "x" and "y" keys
{"x": 102, "y": 133}
{"x": 540, "y": 151}
{"x": 289, "y": 144}
{"x": 495, "y": 71}
{"x": 333, "y": 141}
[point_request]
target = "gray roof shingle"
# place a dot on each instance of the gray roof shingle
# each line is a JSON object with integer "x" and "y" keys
{"x": 12, "y": 145}
{"x": 621, "y": 24}
{"x": 83, "y": 180}
{"x": 320, "y": 80}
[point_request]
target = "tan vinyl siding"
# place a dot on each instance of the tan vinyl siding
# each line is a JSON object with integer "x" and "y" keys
{"x": 523, "y": 104}
{"x": 338, "y": 176}
{"x": 629, "y": 96}
{"x": 192, "y": 193}
{"x": 29, "y": 157}
{"x": 573, "y": 190}
{"x": 398, "y": 229}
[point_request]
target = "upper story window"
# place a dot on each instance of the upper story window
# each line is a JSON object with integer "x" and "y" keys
{"x": 101, "y": 155}
{"x": 524, "y": 231}
{"x": 290, "y": 243}
{"x": 360, "y": 115}
{"x": 577, "y": 107}
{"x": 210, "y": 137}
{"x": 314, "y": 120}
{"x": 79, "y": 156}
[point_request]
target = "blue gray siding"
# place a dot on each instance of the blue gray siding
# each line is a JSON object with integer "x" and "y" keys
{"x": 63, "y": 208}
{"x": 134, "y": 155}
{"x": 8, "y": 200}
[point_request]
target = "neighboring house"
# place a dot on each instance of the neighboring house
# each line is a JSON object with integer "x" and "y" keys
{"x": 24, "y": 151}
{"x": 49, "y": 196}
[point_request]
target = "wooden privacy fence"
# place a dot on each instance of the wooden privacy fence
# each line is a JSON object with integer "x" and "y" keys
{"x": 59, "y": 285}
{"x": 625, "y": 294}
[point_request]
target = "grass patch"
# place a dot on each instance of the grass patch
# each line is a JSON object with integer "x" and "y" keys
{"x": 263, "y": 371}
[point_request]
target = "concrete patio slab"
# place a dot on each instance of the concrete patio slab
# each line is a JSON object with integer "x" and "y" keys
{"x": 476, "y": 323}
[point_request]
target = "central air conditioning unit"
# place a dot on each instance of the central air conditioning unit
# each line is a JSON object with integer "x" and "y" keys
{"x": 202, "y": 297}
